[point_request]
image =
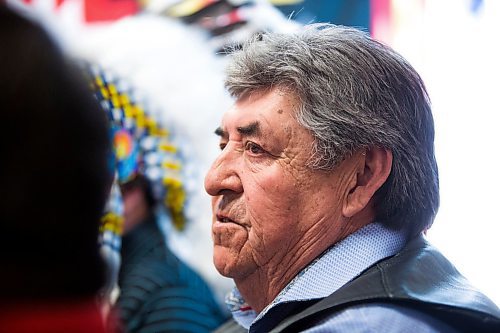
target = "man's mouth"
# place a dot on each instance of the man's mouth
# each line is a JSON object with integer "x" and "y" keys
{"x": 224, "y": 219}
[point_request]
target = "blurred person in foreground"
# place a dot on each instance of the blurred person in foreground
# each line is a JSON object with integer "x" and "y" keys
{"x": 158, "y": 291}
{"x": 54, "y": 145}
{"x": 324, "y": 186}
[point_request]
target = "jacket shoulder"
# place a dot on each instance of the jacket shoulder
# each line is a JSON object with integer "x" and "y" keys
{"x": 418, "y": 277}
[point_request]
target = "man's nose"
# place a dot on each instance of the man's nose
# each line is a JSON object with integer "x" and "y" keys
{"x": 223, "y": 175}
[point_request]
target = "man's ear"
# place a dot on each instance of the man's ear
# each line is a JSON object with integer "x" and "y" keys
{"x": 373, "y": 168}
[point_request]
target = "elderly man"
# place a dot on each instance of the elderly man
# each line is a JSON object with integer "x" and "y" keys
{"x": 324, "y": 185}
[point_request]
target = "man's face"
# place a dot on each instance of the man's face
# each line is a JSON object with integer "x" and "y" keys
{"x": 268, "y": 206}
{"x": 135, "y": 208}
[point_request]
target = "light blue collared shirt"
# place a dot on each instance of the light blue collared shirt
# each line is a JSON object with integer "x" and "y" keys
{"x": 334, "y": 268}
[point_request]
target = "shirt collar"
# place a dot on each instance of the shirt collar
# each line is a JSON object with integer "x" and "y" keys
{"x": 335, "y": 267}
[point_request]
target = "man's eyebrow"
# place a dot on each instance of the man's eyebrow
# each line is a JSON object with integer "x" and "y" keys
{"x": 220, "y": 132}
{"x": 248, "y": 130}
{"x": 251, "y": 129}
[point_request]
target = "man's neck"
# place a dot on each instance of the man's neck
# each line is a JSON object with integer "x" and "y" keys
{"x": 262, "y": 287}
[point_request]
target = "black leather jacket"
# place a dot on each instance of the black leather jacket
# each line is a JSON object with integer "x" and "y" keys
{"x": 419, "y": 277}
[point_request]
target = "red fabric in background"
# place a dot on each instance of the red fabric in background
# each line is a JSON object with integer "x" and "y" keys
{"x": 102, "y": 10}
{"x": 51, "y": 317}
{"x": 109, "y": 10}
{"x": 380, "y": 20}
{"x": 57, "y": 3}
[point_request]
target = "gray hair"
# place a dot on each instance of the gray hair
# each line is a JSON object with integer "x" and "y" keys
{"x": 355, "y": 93}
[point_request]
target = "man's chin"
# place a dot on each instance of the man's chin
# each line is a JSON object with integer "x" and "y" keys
{"x": 227, "y": 263}
{"x": 223, "y": 260}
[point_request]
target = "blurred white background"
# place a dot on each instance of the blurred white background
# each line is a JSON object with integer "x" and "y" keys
{"x": 455, "y": 46}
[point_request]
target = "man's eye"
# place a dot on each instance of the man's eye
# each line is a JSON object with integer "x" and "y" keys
{"x": 254, "y": 148}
